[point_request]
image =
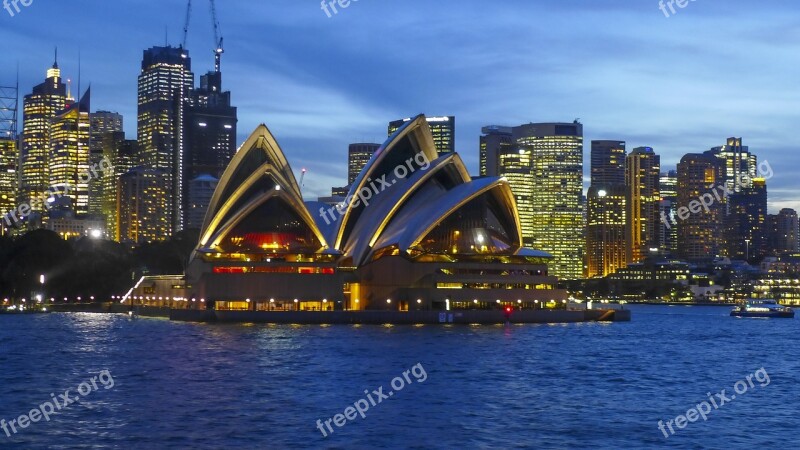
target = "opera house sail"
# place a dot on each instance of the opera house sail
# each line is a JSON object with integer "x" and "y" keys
{"x": 415, "y": 232}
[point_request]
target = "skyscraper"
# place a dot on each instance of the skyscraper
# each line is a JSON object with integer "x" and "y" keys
{"x": 165, "y": 82}
{"x": 605, "y": 230}
{"x": 8, "y": 176}
{"x": 492, "y": 140}
{"x": 747, "y": 221}
{"x": 642, "y": 178}
{"x": 358, "y": 155}
{"x": 556, "y": 157}
{"x": 784, "y": 232}
{"x": 605, "y": 209}
{"x": 39, "y": 108}
{"x": 608, "y": 163}
{"x": 9, "y": 154}
{"x": 740, "y": 170}
{"x": 516, "y": 166}
{"x": 669, "y": 203}
{"x": 700, "y": 232}
{"x": 442, "y": 128}
{"x": 740, "y": 164}
{"x": 102, "y": 123}
{"x": 68, "y": 159}
{"x": 210, "y": 138}
{"x": 143, "y": 195}
{"x": 123, "y": 155}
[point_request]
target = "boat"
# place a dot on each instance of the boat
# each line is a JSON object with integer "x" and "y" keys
{"x": 762, "y": 308}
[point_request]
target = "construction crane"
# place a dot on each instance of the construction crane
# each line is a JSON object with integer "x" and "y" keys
{"x": 186, "y": 23}
{"x": 218, "y": 50}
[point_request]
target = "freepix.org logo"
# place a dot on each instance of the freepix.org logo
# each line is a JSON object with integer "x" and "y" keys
{"x": 12, "y": 6}
{"x": 330, "y": 5}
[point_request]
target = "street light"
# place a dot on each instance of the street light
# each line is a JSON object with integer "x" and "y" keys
{"x": 747, "y": 250}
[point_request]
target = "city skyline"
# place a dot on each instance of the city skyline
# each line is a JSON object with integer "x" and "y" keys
{"x": 656, "y": 103}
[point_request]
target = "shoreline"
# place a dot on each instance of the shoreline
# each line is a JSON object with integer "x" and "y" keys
{"x": 465, "y": 317}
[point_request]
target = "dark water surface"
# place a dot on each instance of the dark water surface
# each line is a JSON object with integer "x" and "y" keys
{"x": 178, "y": 385}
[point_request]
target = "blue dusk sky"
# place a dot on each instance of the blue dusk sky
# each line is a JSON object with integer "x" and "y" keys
{"x": 680, "y": 84}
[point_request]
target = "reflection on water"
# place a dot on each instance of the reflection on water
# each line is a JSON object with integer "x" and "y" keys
{"x": 586, "y": 385}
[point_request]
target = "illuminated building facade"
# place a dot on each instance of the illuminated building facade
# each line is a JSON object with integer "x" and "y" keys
{"x": 740, "y": 164}
{"x": 556, "y": 155}
{"x": 358, "y": 155}
{"x": 643, "y": 216}
{"x": 668, "y": 185}
{"x": 8, "y": 176}
{"x": 435, "y": 239}
{"x": 747, "y": 221}
{"x": 494, "y": 140}
{"x": 165, "y": 83}
{"x": 68, "y": 159}
{"x": 143, "y": 195}
{"x": 443, "y": 130}
{"x": 700, "y": 232}
{"x": 515, "y": 165}
{"x": 123, "y": 155}
{"x": 39, "y": 108}
{"x": 783, "y": 232}
{"x": 102, "y": 123}
{"x": 605, "y": 209}
{"x": 9, "y": 153}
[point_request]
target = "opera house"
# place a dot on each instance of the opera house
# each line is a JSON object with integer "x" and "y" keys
{"x": 415, "y": 232}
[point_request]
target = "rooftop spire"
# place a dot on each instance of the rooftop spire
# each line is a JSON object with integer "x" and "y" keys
{"x": 55, "y": 61}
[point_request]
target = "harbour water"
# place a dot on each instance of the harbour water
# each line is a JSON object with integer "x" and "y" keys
{"x": 583, "y": 385}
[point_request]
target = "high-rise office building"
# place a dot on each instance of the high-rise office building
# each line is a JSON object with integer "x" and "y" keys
{"x": 210, "y": 139}
{"x": 740, "y": 164}
{"x": 784, "y": 233}
{"x": 740, "y": 170}
{"x": 358, "y": 155}
{"x": 143, "y": 195}
{"x": 493, "y": 140}
{"x": 102, "y": 123}
{"x": 39, "y": 108}
{"x": 608, "y": 163}
{"x": 201, "y": 189}
{"x": 605, "y": 209}
{"x": 9, "y": 154}
{"x": 123, "y": 155}
{"x": 68, "y": 159}
{"x": 8, "y": 176}
{"x": 165, "y": 83}
{"x": 556, "y": 176}
{"x": 442, "y": 128}
{"x": 669, "y": 202}
{"x": 605, "y": 230}
{"x": 700, "y": 232}
{"x": 747, "y": 222}
{"x": 643, "y": 200}
{"x": 516, "y": 166}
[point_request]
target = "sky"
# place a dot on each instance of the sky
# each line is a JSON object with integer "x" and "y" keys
{"x": 680, "y": 83}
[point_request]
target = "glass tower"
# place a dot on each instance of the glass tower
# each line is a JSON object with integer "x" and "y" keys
{"x": 556, "y": 178}
{"x": 605, "y": 209}
{"x": 642, "y": 179}
{"x": 39, "y": 108}
{"x": 165, "y": 82}
{"x": 442, "y": 128}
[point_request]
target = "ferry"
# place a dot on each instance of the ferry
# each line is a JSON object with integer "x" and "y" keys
{"x": 763, "y": 308}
